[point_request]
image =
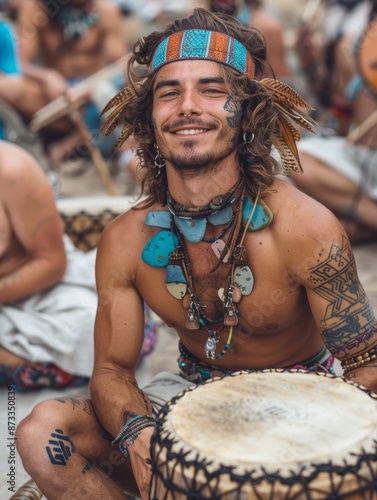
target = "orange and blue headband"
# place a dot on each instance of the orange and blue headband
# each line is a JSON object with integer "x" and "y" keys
{"x": 202, "y": 44}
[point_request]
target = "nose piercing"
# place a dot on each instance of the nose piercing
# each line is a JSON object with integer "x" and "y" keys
{"x": 187, "y": 116}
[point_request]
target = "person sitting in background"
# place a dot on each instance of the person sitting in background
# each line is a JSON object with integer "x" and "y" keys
{"x": 22, "y": 94}
{"x": 253, "y": 13}
{"x": 61, "y": 46}
{"x": 256, "y": 15}
{"x": 340, "y": 168}
{"x": 47, "y": 286}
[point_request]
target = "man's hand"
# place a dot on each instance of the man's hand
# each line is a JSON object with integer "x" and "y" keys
{"x": 139, "y": 453}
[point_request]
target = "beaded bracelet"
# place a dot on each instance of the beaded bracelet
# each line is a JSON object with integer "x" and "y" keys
{"x": 132, "y": 426}
{"x": 358, "y": 361}
{"x": 131, "y": 437}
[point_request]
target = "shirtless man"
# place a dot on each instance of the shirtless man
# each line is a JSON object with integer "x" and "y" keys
{"x": 204, "y": 130}
{"x": 33, "y": 261}
{"x": 63, "y": 43}
{"x": 47, "y": 286}
{"x": 32, "y": 255}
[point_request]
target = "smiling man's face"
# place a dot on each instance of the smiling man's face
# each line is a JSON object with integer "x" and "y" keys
{"x": 196, "y": 125}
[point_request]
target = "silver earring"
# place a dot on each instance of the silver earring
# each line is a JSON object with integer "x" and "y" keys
{"x": 159, "y": 161}
{"x": 246, "y": 140}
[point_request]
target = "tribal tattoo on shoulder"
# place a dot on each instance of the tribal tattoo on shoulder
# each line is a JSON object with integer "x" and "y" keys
{"x": 348, "y": 322}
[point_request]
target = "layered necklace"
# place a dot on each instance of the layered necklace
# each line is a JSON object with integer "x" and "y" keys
{"x": 237, "y": 214}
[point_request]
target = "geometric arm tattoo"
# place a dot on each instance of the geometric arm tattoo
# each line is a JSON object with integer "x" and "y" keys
{"x": 348, "y": 322}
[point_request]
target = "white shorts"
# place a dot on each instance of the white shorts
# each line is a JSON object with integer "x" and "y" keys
{"x": 356, "y": 162}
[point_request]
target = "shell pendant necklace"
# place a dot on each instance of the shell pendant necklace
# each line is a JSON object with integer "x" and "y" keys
{"x": 167, "y": 249}
{"x": 239, "y": 282}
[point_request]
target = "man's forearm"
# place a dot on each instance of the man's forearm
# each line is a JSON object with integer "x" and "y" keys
{"x": 34, "y": 276}
{"x": 117, "y": 399}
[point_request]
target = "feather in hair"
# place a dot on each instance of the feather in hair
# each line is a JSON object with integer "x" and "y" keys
{"x": 285, "y": 94}
{"x": 121, "y": 97}
{"x": 292, "y": 109}
{"x": 116, "y": 117}
{"x": 298, "y": 117}
{"x": 296, "y": 133}
{"x": 110, "y": 124}
{"x": 123, "y": 136}
{"x": 288, "y": 137}
{"x": 288, "y": 160}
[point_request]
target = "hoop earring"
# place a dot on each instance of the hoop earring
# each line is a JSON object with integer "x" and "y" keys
{"x": 246, "y": 140}
{"x": 159, "y": 161}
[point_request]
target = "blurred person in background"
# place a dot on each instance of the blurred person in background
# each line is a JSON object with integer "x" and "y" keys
{"x": 340, "y": 169}
{"x": 60, "y": 46}
{"x": 48, "y": 295}
{"x": 254, "y": 13}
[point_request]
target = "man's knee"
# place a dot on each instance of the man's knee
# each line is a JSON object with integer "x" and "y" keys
{"x": 44, "y": 430}
{"x": 33, "y": 428}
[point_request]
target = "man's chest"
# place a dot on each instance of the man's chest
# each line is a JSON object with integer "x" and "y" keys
{"x": 55, "y": 45}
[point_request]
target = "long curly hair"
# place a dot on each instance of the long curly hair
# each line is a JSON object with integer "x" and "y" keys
{"x": 261, "y": 112}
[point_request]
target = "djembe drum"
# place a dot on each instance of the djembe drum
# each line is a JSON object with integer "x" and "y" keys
{"x": 273, "y": 434}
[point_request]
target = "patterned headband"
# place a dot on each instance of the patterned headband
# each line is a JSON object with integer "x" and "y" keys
{"x": 202, "y": 44}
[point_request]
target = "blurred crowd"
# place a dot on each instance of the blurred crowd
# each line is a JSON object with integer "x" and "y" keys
{"x": 62, "y": 60}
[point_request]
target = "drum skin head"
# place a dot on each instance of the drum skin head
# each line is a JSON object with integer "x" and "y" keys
{"x": 269, "y": 434}
{"x": 366, "y": 56}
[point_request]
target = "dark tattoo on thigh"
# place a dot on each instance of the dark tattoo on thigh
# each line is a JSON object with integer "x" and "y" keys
{"x": 60, "y": 449}
{"x": 348, "y": 321}
{"x": 77, "y": 402}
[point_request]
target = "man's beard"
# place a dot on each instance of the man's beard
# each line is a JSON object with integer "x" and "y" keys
{"x": 191, "y": 164}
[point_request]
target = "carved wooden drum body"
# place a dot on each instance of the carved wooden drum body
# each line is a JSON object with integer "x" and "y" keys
{"x": 273, "y": 434}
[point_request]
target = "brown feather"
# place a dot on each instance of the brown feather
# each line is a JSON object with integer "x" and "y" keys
{"x": 285, "y": 94}
{"x": 295, "y": 132}
{"x": 297, "y": 117}
{"x": 123, "y": 136}
{"x": 289, "y": 161}
{"x": 121, "y": 97}
{"x": 114, "y": 117}
{"x": 113, "y": 125}
{"x": 288, "y": 138}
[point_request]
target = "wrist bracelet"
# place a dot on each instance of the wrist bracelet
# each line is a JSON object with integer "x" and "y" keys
{"x": 133, "y": 425}
{"x": 131, "y": 437}
{"x": 358, "y": 361}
